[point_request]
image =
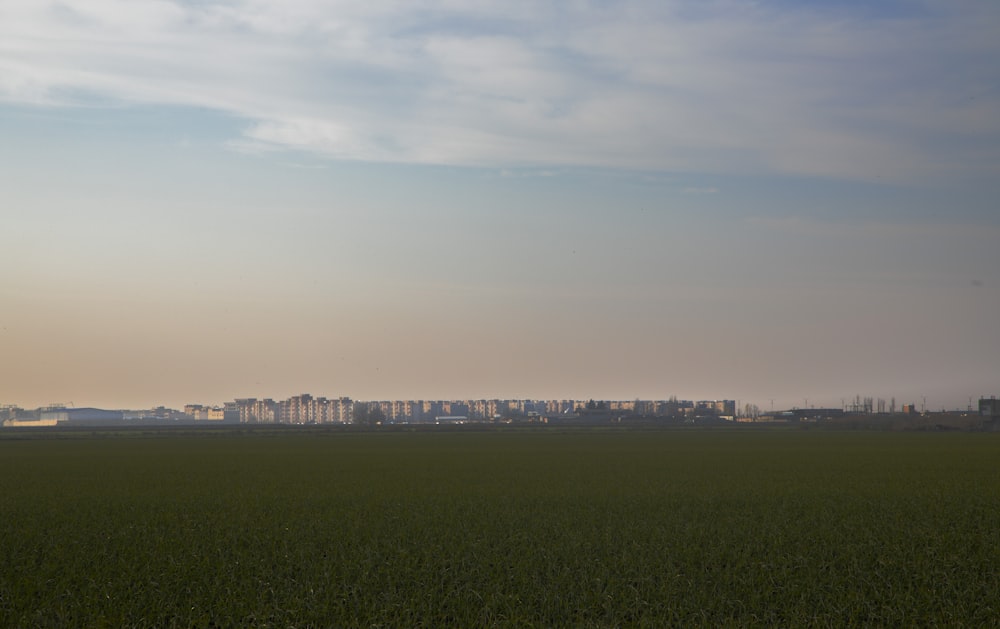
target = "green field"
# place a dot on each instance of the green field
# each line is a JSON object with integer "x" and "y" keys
{"x": 500, "y": 528}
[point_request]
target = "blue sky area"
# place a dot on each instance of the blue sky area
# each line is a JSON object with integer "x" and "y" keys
{"x": 749, "y": 200}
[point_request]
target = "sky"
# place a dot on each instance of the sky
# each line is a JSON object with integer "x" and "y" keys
{"x": 783, "y": 203}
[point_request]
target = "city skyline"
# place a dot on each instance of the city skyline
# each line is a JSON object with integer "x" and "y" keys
{"x": 863, "y": 404}
{"x": 308, "y": 409}
{"x": 435, "y": 200}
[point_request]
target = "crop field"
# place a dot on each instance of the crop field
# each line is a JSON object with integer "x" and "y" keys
{"x": 535, "y": 528}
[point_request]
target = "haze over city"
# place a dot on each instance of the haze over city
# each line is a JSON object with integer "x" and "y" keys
{"x": 437, "y": 200}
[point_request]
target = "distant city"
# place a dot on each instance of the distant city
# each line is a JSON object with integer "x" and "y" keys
{"x": 306, "y": 409}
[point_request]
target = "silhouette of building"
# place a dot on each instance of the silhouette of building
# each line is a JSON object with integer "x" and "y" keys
{"x": 989, "y": 407}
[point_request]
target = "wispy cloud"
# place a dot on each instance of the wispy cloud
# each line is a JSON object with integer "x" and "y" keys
{"x": 721, "y": 86}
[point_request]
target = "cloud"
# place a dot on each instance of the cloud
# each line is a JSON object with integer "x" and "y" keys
{"x": 722, "y": 86}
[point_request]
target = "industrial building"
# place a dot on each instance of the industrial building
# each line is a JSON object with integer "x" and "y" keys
{"x": 989, "y": 407}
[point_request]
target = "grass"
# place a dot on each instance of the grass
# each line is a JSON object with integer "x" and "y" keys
{"x": 540, "y": 528}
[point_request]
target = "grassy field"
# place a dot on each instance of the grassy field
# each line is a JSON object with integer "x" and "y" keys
{"x": 507, "y": 528}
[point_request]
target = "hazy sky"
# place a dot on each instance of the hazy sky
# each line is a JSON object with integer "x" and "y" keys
{"x": 752, "y": 200}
